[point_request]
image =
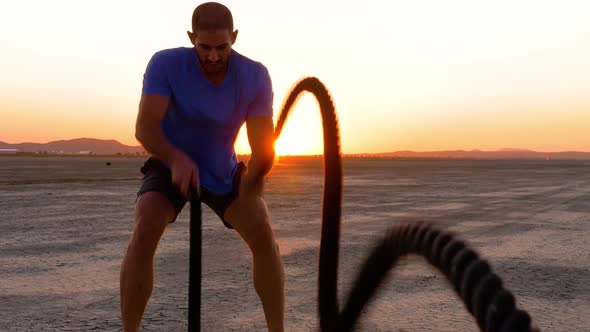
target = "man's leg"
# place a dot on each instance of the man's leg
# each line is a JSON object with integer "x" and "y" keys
{"x": 153, "y": 213}
{"x": 250, "y": 218}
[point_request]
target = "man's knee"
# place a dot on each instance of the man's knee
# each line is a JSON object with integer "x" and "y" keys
{"x": 261, "y": 236}
{"x": 153, "y": 213}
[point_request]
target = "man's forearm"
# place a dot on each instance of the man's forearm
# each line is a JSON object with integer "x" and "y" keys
{"x": 154, "y": 141}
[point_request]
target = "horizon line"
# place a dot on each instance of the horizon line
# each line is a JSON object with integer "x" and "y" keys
{"x": 505, "y": 150}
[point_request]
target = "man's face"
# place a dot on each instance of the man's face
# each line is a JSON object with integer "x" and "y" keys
{"x": 213, "y": 49}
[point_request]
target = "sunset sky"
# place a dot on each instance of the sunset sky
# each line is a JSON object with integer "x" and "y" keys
{"x": 404, "y": 75}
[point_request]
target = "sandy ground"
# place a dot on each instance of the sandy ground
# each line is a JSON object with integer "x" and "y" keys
{"x": 65, "y": 223}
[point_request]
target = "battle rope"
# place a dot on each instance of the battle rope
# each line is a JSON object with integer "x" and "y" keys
{"x": 480, "y": 289}
{"x": 195, "y": 263}
{"x": 332, "y": 199}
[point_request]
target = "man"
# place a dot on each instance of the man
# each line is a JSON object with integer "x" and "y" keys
{"x": 193, "y": 103}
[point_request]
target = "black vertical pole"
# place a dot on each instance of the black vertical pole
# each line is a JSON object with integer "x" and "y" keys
{"x": 194, "y": 286}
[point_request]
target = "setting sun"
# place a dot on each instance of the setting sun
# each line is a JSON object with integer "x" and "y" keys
{"x": 302, "y": 134}
{"x": 293, "y": 143}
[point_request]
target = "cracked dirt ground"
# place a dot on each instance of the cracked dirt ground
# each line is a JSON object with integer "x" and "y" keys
{"x": 65, "y": 223}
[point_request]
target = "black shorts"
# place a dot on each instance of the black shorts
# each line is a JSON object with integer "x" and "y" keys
{"x": 157, "y": 177}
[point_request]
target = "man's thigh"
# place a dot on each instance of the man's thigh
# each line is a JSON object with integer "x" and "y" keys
{"x": 154, "y": 208}
{"x": 249, "y": 216}
{"x": 157, "y": 182}
{"x": 221, "y": 203}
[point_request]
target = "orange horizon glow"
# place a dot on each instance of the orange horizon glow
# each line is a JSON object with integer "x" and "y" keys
{"x": 302, "y": 134}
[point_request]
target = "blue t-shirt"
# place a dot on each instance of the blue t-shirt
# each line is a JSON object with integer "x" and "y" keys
{"x": 203, "y": 119}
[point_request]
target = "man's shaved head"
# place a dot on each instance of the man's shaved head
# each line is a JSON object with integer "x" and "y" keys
{"x": 213, "y": 36}
{"x": 211, "y": 16}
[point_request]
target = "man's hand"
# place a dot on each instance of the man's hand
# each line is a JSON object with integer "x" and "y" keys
{"x": 185, "y": 174}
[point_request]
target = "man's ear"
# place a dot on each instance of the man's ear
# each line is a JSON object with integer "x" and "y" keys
{"x": 234, "y": 36}
{"x": 191, "y": 37}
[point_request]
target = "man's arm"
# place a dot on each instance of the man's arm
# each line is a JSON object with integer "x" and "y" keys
{"x": 261, "y": 138}
{"x": 148, "y": 132}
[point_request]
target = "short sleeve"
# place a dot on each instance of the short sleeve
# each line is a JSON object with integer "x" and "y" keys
{"x": 262, "y": 103}
{"x": 155, "y": 78}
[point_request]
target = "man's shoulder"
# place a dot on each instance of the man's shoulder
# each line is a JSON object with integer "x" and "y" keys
{"x": 248, "y": 66}
{"x": 172, "y": 53}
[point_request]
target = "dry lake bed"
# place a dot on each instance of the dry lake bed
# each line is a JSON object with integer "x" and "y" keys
{"x": 65, "y": 224}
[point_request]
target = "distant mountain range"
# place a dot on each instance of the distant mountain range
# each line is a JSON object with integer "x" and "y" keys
{"x": 113, "y": 147}
{"x": 76, "y": 146}
{"x": 478, "y": 154}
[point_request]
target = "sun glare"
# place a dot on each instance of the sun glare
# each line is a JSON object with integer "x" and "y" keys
{"x": 294, "y": 144}
{"x": 302, "y": 134}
